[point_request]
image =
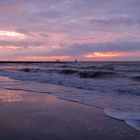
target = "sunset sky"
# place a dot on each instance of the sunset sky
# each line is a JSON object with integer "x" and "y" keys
{"x": 69, "y": 29}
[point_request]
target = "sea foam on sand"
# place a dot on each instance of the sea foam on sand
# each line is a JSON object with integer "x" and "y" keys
{"x": 127, "y": 108}
{"x": 130, "y": 118}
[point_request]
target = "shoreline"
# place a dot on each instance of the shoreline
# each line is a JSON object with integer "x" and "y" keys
{"x": 34, "y": 115}
{"x": 26, "y": 115}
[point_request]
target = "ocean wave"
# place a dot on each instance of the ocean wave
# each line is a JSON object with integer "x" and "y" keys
{"x": 137, "y": 78}
{"x": 64, "y": 71}
{"x": 89, "y": 67}
{"x": 81, "y": 73}
{"x": 49, "y": 70}
{"x": 97, "y": 78}
{"x": 97, "y": 74}
{"x": 132, "y": 118}
{"x": 28, "y": 70}
{"x": 127, "y": 68}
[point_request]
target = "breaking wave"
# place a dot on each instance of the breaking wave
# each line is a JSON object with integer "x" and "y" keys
{"x": 81, "y": 73}
{"x": 131, "y": 118}
{"x": 97, "y": 74}
{"x": 114, "y": 77}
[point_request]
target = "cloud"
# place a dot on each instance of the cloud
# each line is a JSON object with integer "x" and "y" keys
{"x": 78, "y": 27}
{"x": 115, "y": 21}
{"x": 20, "y": 44}
{"x": 107, "y": 47}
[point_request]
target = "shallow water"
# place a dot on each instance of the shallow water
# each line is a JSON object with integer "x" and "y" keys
{"x": 35, "y": 116}
{"x": 114, "y": 77}
{"x": 114, "y": 85}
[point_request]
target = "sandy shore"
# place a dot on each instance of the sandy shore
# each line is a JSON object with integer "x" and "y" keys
{"x": 39, "y": 116}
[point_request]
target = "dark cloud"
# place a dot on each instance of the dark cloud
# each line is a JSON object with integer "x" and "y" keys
{"x": 21, "y": 44}
{"x": 115, "y": 21}
{"x": 77, "y": 50}
{"x": 82, "y": 49}
{"x": 56, "y": 22}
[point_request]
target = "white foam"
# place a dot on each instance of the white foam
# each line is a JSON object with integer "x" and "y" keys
{"x": 133, "y": 123}
{"x": 42, "y": 74}
{"x": 130, "y": 117}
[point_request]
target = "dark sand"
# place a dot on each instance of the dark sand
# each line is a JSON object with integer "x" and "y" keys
{"x": 36, "y": 116}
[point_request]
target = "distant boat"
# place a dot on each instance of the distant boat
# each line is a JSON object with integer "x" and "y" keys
{"x": 57, "y": 60}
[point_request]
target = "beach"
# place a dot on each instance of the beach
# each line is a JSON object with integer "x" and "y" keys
{"x": 69, "y": 70}
{"x": 40, "y": 116}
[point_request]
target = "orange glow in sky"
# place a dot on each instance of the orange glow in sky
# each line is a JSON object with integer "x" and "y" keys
{"x": 103, "y": 54}
{"x": 108, "y": 54}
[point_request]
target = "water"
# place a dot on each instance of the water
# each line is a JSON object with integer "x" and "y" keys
{"x": 117, "y": 77}
{"x": 112, "y": 86}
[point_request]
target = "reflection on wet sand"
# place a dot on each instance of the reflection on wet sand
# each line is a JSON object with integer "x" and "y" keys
{"x": 26, "y": 116}
{"x": 8, "y": 96}
{"x": 36, "y": 116}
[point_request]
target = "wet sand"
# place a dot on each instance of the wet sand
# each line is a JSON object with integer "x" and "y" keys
{"x": 39, "y": 116}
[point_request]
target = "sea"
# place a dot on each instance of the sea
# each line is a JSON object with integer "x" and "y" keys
{"x": 113, "y": 87}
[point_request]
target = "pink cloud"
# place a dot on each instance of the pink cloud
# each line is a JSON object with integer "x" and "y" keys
{"x": 18, "y": 8}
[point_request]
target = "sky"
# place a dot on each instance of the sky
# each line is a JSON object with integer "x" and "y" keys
{"x": 89, "y": 30}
